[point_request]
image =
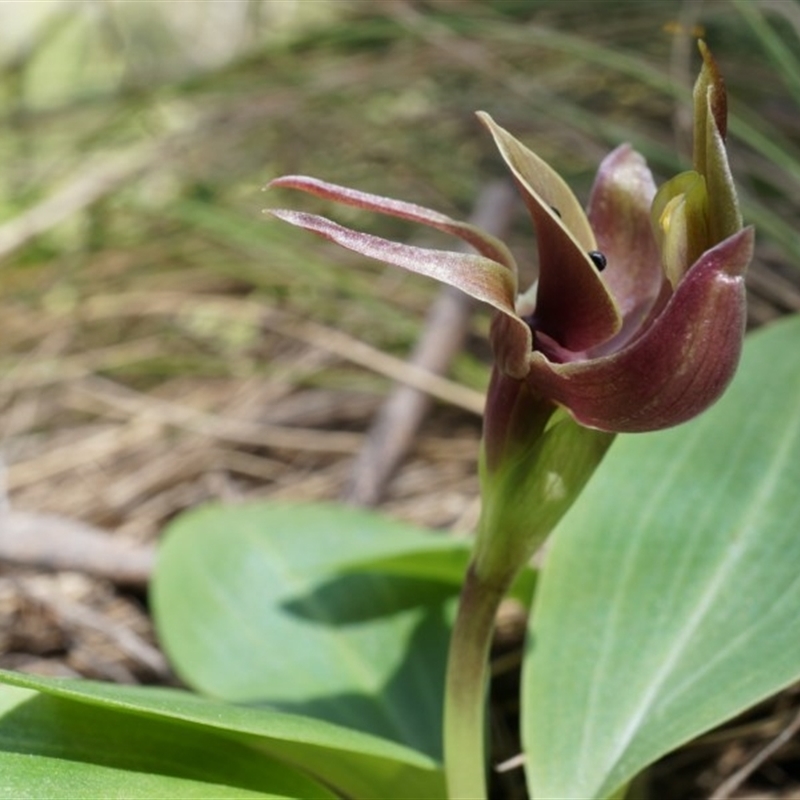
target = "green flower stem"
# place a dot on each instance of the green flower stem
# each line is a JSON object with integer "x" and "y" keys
{"x": 535, "y": 461}
{"x": 465, "y": 693}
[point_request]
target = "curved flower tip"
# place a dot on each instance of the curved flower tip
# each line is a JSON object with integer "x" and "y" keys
{"x": 637, "y": 319}
{"x": 710, "y": 158}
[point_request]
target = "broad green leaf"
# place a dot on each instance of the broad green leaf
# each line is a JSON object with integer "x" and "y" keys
{"x": 52, "y": 747}
{"x": 446, "y": 560}
{"x": 671, "y": 596}
{"x": 443, "y": 559}
{"x": 252, "y": 608}
{"x": 354, "y": 763}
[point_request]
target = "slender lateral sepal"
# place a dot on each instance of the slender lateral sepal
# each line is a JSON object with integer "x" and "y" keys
{"x": 486, "y": 244}
{"x": 477, "y": 276}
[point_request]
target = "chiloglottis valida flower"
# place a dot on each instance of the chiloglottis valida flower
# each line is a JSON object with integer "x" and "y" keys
{"x": 637, "y": 318}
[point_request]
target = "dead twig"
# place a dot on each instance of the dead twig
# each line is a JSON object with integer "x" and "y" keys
{"x": 408, "y": 373}
{"x": 53, "y": 542}
{"x": 733, "y": 782}
{"x": 77, "y": 614}
{"x": 157, "y": 411}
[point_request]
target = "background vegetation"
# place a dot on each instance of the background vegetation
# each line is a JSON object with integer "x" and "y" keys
{"x": 163, "y": 343}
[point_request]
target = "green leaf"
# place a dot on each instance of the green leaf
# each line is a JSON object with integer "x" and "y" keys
{"x": 52, "y": 747}
{"x": 252, "y": 607}
{"x": 445, "y": 560}
{"x": 354, "y": 763}
{"x": 440, "y": 558}
{"x": 670, "y": 598}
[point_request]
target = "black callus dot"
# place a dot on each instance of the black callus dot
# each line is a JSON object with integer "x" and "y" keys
{"x": 598, "y": 259}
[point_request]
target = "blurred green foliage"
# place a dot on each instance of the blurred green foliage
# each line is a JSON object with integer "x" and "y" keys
{"x": 378, "y": 95}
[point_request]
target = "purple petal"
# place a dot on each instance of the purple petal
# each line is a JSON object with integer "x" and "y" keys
{"x": 677, "y": 368}
{"x": 619, "y": 212}
{"x": 479, "y": 277}
{"x": 483, "y": 242}
{"x": 573, "y": 306}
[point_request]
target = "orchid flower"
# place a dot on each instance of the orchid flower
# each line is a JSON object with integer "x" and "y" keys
{"x": 635, "y": 324}
{"x": 637, "y": 318}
